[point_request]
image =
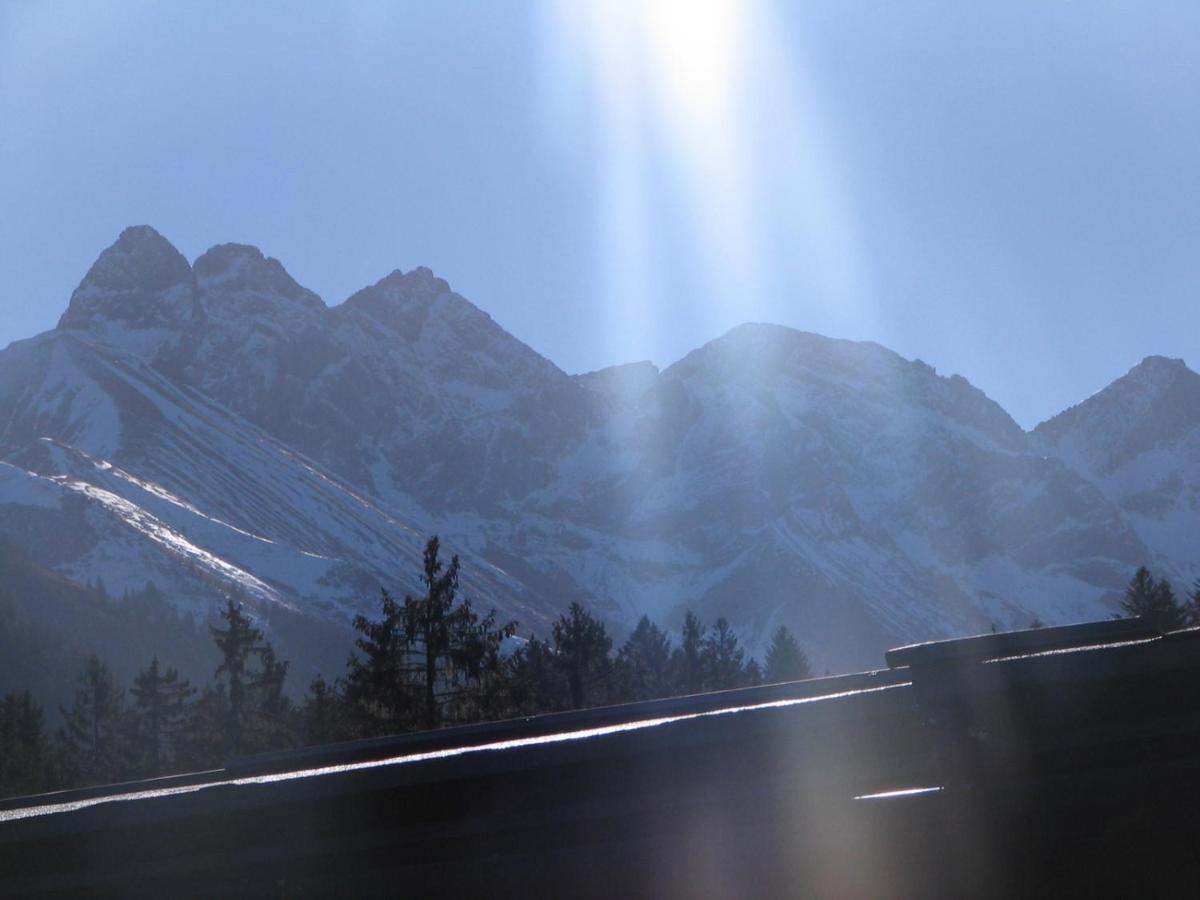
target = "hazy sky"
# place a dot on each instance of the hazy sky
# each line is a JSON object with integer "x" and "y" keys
{"x": 1007, "y": 190}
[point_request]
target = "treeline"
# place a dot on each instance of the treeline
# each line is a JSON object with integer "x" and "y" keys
{"x": 425, "y": 662}
{"x": 1154, "y": 599}
{"x": 49, "y": 626}
{"x": 162, "y": 724}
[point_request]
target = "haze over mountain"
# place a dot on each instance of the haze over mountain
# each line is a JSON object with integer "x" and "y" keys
{"x": 215, "y": 427}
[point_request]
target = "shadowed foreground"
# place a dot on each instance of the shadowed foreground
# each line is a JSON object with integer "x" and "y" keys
{"x": 1056, "y": 761}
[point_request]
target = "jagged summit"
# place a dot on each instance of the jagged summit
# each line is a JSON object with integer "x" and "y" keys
{"x": 243, "y": 269}
{"x": 140, "y": 261}
{"x": 1160, "y": 371}
{"x": 1159, "y": 387}
{"x": 833, "y": 371}
{"x": 400, "y": 300}
{"x": 1153, "y": 409}
{"x": 138, "y": 294}
{"x": 225, "y": 426}
{"x": 778, "y": 343}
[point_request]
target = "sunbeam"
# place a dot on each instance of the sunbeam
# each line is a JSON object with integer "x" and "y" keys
{"x": 729, "y": 144}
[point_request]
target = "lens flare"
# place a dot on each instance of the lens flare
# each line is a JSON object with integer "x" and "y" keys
{"x": 705, "y": 128}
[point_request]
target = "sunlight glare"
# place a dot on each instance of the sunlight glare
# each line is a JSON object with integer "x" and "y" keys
{"x": 695, "y": 48}
{"x": 704, "y": 126}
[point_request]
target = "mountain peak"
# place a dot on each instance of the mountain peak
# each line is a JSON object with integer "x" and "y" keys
{"x": 1159, "y": 367}
{"x": 419, "y": 282}
{"x": 242, "y": 268}
{"x": 400, "y": 300}
{"x": 220, "y": 257}
{"x": 1153, "y": 404}
{"x": 801, "y": 362}
{"x": 140, "y": 259}
{"x": 141, "y": 281}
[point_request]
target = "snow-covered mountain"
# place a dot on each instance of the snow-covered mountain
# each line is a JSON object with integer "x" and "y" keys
{"x": 1138, "y": 441}
{"x": 216, "y": 425}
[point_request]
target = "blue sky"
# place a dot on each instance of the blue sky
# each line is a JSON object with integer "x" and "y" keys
{"x": 1009, "y": 191}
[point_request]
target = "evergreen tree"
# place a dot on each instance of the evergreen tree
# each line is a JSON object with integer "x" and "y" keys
{"x": 722, "y": 658}
{"x": 324, "y": 716}
{"x": 452, "y": 649}
{"x": 535, "y": 682}
{"x": 581, "y": 647}
{"x": 431, "y": 657}
{"x": 1192, "y": 610}
{"x": 93, "y": 735}
{"x": 644, "y": 662}
{"x": 429, "y": 622}
{"x": 687, "y": 660}
{"x": 785, "y": 660}
{"x": 237, "y": 642}
{"x": 159, "y": 715}
{"x": 205, "y": 742}
{"x": 377, "y": 685}
{"x": 754, "y": 673}
{"x": 272, "y": 718}
{"x": 484, "y": 692}
{"x": 1154, "y": 600}
{"x": 255, "y": 706}
{"x": 24, "y": 749}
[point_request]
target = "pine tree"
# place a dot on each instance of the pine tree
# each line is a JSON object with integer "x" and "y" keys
{"x": 1154, "y": 600}
{"x": 1192, "y": 610}
{"x": 785, "y": 660}
{"x": 272, "y": 719}
{"x": 256, "y": 708}
{"x": 644, "y": 662}
{"x": 205, "y": 742}
{"x": 687, "y": 662}
{"x": 581, "y": 647}
{"x": 237, "y": 641}
{"x": 722, "y": 658}
{"x": 754, "y": 673}
{"x": 452, "y": 648}
{"x": 482, "y": 670}
{"x": 377, "y": 685}
{"x": 324, "y": 715}
{"x": 428, "y": 622}
{"x": 159, "y": 715}
{"x": 535, "y": 682}
{"x": 94, "y": 730}
{"x": 431, "y": 657}
{"x": 24, "y": 749}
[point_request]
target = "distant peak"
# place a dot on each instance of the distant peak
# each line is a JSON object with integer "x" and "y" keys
{"x": 628, "y": 377}
{"x": 140, "y": 259}
{"x": 222, "y": 255}
{"x": 140, "y": 280}
{"x": 419, "y": 279}
{"x": 765, "y": 341}
{"x": 243, "y": 267}
{"x": 1160, "y": 364}
{"x": 401, "y": 299}
{"x": 140, "y": 233}
{"x": 1153, "y": 375}
{"x": 1158, "y": 386}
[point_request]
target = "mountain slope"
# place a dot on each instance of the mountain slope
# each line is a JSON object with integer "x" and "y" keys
{"x": 1138, "y": 440}
{"x": 217, "y": 424}
{"x": 110, "y": 470}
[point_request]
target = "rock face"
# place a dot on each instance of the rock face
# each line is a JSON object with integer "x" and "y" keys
{"x": 141, "y": 294}
{"x": 1138, "y": 441}
{"x": 216, "y": 424}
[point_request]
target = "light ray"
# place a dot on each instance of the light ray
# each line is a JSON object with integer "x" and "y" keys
{"x": 711, "y": 96}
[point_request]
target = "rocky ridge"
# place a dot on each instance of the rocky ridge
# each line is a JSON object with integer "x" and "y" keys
{"x": 770, "y": 476}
